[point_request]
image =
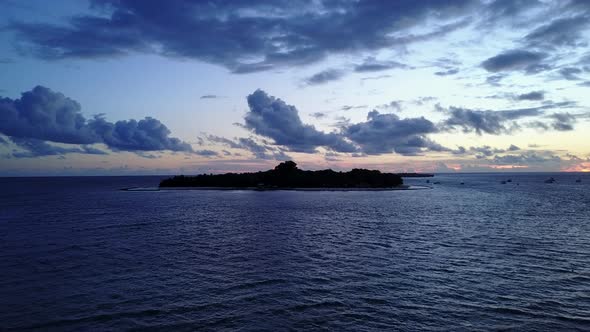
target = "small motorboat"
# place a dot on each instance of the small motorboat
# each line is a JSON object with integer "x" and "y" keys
{"x": 550, "y": 180}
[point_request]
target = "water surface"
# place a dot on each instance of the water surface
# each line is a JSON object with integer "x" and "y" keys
{"x": 78, "y": 254}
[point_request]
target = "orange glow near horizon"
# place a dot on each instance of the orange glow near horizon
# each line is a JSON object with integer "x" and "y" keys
{"x": 581, "y": 167}
{"x": 508, "y": 166}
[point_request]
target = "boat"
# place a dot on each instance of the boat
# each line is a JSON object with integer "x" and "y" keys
{"x": 550, "y": 180}
{"x": 503, "y": 182}
{"x": 509, "y": 180}
{"x": 578, "y": 180}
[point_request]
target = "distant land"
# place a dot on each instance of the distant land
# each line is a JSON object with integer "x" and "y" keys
{"x": 286, "y": 175}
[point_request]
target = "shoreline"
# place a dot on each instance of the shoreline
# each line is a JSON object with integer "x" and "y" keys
{"x": 404, "y": 187}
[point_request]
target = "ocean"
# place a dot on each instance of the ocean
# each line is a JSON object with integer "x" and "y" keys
{"x": 78, "y": 254}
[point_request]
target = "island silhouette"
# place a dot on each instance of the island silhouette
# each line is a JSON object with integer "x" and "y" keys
{"x": 287, "y": 175}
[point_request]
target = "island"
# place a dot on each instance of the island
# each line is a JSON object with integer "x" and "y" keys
{"x": 287, "y": 176}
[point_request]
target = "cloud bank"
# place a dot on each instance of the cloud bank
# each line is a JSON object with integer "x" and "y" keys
{"x": 44, "y": 115}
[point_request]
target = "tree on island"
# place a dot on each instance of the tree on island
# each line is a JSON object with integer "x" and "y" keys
{"x": 286, "y": 167}
{"x": 287, "y": 175}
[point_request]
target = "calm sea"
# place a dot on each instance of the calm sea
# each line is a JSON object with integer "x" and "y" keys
{"x": 78, "y": 254}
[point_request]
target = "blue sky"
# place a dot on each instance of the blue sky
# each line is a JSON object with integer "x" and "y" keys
{"x": 154, "y": 87}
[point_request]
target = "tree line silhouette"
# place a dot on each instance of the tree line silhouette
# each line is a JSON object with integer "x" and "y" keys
{"x": 287, "y": 175}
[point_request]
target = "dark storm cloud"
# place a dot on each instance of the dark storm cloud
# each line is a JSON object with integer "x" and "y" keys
{"x": 386, "y": 133}
{"x": 516, "y": 60}
{"x": 324, "y": 77}
{"x": 489, "y": 122}
{"x": 232, "y": 33}
{"x": 372, "y": 65}
{"x": 273, "y": 118}
{"x": 44, "y": 115}
{"x": 560, "y": 32}
{"x": 533, "y": 95}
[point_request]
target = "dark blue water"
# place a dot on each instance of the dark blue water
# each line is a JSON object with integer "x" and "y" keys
{"x": 77, "y": 254}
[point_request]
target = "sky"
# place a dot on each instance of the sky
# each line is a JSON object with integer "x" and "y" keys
{"x": 126, "y": 87}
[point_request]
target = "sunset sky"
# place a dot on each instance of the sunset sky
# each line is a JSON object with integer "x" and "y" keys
{"x": 164, "y": 87}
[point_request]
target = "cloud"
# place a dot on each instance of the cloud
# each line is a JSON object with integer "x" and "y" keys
{"x": 350, "y": 107}
{"x": 482, "y": 152}
{"x": 560, "y": 32}
{"x": 372, "y": 65}
{"x": 259, "y": 150}
{"x": 501, "y": 10}
{"x": 37, "y": 148}
{"x": 243, "y": 36}
{"x": 448, "y": 72}
{"x": 424, "y": 100}
{"x": 386, "y": 133}
{"x": 395, "y": 105}
{"x": 513, "y": 147}
{"x": 485, "y": 151}
{"x": 533, "y": 95}
{"x": 375, "y": 77}
{"x": 324, "y": 77}
{"x": 273, "y": 118}
{"x": 318, "y": 115}
{"x": 526, "y": 159}
{"x": 495, "y": 79}
{"x": 563, "y": 121}
{"x": 206, "y": 153}
{"x": 489, "y": 122}
{"x": 515, "y": 60}
{"x": 44, "y": 115}
{"x": 570, "y": 73}
{"x": 148, "y": 134}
